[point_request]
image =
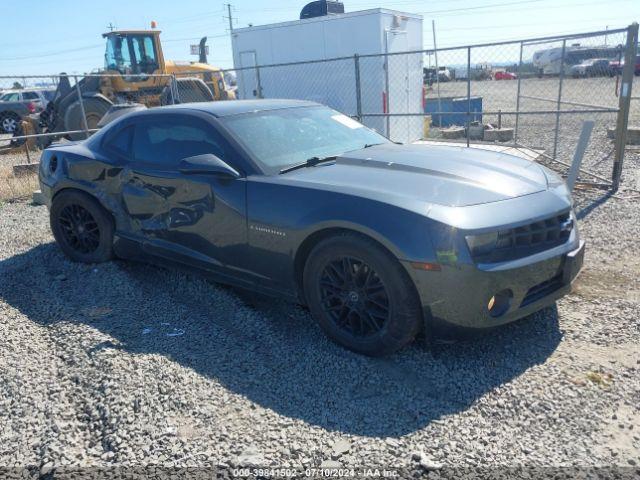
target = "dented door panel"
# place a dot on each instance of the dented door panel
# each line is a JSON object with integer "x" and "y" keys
{"x": 196, "y": 219}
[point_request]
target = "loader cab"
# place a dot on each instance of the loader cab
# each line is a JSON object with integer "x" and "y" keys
{"x": 134, "y": 54}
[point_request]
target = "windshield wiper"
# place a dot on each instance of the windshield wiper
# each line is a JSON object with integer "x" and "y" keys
{"x": 369, "y": 145}
{"x": 311, "y": 162}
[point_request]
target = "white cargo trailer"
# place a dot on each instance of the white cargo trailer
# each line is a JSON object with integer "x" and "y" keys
{"x": 388, "y": 84}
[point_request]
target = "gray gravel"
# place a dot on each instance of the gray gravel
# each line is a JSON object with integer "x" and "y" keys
{"x": 128, "y": 364}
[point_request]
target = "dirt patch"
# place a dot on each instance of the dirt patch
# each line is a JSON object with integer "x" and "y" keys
{"x": 616, "y": 280}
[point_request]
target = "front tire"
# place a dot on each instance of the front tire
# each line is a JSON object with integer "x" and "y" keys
{"x": 82, "y": 228}
{"x": 361, "y": 296}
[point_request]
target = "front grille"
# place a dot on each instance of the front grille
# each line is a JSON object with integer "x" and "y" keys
{"x": 541, "y": 290}
{"x": 529, "y": 239}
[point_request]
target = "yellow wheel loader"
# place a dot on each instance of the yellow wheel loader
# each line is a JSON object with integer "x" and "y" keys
{"x": 135, "y": 71}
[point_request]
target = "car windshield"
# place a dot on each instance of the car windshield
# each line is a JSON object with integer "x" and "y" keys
{"x": 285, "y": 137}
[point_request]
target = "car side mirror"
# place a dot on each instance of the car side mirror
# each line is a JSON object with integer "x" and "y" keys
{"x": 207, "y": 163}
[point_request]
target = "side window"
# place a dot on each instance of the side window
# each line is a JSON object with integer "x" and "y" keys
{"x": 166, "y": 142}
{"x": 30, "y": 96}
{"x": 120, "y": 142}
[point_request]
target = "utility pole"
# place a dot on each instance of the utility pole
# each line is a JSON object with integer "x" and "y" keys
{"x": 229, "y": 17}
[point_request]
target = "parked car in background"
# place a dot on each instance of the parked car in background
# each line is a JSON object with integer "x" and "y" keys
{"x": 617, "y": 66}
{"x": 502, "y": 75}
{"x": 594, "y": 67}
{"x": 13, "y": 112}
{"x": 296, "y": 200}
{"x": 39, "y": 97}
{"x": 432, "y": 75}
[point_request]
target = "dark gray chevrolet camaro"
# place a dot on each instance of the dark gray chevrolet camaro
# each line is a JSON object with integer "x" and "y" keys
{"x": 294, "y": 199}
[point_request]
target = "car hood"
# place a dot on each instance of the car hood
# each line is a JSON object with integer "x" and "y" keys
{"x": 443, "y": 175}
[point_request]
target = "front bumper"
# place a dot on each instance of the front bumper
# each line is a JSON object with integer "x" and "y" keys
{"x": 458, "y": 295}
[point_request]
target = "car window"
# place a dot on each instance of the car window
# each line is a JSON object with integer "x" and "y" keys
{"x": 30, "y": 96}
{"x": 11, "y": 97}
{"x": 120, "y": 142}
{"x": 166, "y": 142}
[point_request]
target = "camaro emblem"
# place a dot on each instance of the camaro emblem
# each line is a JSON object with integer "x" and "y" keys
{"x": 272, "y": 231}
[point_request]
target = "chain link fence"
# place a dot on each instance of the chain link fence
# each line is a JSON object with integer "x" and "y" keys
{"x": 528, "y": 97}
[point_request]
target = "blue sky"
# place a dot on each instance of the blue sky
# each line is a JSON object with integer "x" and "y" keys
{"x": 51, "y": 36}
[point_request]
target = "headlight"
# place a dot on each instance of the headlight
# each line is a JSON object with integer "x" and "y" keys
{"x": 483, "y": 243}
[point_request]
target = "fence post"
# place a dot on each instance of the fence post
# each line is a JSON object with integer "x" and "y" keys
{"x": 85, "y": 126}
{"x": 468, "y": 92}
{"x": 259, "y": 86}
{"x": 515, "y": 131}
{"x": 624, "y": 103}
{"x": 356, "y": 64}
{"x": 559, "y": 103}
{"x": 175, "y": 92}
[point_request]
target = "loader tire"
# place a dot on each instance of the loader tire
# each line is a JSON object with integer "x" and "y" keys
{"x": 95, "y": 108}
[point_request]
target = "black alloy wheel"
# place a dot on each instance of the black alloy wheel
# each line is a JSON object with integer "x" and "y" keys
{"x": 79, "y": 229}
{"x": 82, "y": 227}
{"x": 354, "y": 297}
{"x": 360, "y": 295}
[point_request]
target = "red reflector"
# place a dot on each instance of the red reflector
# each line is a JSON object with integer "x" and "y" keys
{"x": 31, "y": 107}
{"x": 430, "y": 267}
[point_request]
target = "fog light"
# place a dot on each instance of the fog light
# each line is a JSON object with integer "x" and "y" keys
{"x": 500, "y": 303}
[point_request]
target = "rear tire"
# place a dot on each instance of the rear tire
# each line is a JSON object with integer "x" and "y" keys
{"x": 361, "y": 296}
{"x": 82, "y": 227}
{"x": 95, "y": 109}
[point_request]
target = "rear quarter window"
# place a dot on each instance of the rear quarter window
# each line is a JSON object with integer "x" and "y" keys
{"x": 120, "y": 142}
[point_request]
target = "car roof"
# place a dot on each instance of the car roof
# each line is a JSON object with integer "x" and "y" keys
{"x": 236, "y": 107}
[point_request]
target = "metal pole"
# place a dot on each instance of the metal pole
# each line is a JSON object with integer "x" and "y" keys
{"x": 85, "y": 125}
{"x": 385, "y": 106}
{"x": 356, "y": 64}
{"x": 259, "y": 86}
{"x": 515, "y": 131}
{"x": 435, "y": 52}
{"x": 229, "y": 17}
{"x": 583, "y": 141}
{"x": 559, "y": 103}
{"x": 468, "y": 91}
{"x": 624, "y": 103}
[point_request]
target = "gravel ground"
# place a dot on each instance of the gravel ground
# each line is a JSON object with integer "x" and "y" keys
{"x": 127, "y": 364}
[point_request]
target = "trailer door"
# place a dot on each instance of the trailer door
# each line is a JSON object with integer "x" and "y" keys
{"x": 397, "y": 84}
{"x": 248, "y": 76}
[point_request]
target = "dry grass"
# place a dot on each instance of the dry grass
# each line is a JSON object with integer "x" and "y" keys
{"x": 12, "y": 187}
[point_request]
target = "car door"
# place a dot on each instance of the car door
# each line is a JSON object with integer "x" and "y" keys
{"x": 195, "y": 219}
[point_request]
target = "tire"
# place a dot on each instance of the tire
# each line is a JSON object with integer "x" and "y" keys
{"x": 95, "y": 108}
{"x": 82, "y": 227}
{"x": 351, "y": 312}
{"x": 9, "y": 122}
